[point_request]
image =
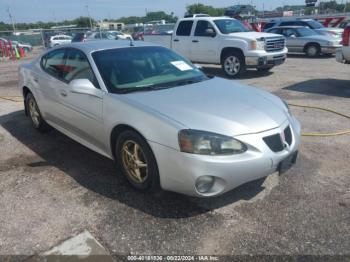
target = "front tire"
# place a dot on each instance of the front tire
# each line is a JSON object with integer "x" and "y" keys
{"x": 36, "y": 118}
{"x": 312, "y": 50}
{"x": 233, "y": 64}
{"x": 137, "y": 162}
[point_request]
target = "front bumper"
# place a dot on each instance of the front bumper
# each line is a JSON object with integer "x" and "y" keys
{"x": 179, "y": 171}
{"x": 263, "y": 59}
{"x": 330, "y": 49}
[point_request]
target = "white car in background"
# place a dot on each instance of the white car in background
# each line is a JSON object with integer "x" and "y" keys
{"x": 120, "y": 35}
{"x": 59, "y": 40}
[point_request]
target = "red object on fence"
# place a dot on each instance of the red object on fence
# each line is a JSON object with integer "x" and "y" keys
{"x": 21, "y": 52}
{"x": 12, "y": 51}
{"x": 2, "y": 49}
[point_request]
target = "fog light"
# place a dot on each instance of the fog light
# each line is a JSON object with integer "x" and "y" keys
{"x": 204, "y": 184}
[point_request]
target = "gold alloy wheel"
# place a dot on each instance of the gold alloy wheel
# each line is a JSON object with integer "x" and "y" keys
{"x": 34, "y": 112}
{"x": 134, "y": 161}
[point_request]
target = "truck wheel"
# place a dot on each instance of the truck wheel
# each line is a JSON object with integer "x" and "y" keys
{"x": 312, "y": 50}
{"x": 233, "y": 64}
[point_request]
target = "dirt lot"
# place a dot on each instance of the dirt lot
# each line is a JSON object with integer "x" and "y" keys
{"x": 52, "y": 188}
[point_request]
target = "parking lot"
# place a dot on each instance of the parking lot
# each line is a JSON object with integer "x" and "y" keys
{"x": 52, "y": 188}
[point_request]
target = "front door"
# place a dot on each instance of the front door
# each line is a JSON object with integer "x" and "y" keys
{"x": 204, "y": 43}
{"x": 82, "y": 114}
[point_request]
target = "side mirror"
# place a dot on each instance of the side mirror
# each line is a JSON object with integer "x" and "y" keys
{"x": 293, "y": 36}
{"x": 84, "y": 87}
{"x": 210, "y": 32}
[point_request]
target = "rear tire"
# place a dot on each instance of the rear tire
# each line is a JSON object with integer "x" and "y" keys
{"x": 312, "y": 50}
{"x": 233, "y": 64}
{"x": 137, "y": 162}
{"x": 36, "y": 118}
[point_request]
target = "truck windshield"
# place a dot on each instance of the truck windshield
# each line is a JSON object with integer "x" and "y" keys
{"x": 228, "y": 26}
{"x": 144, "y": 68}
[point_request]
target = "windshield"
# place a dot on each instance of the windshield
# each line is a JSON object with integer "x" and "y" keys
{"x": 227, "y": 26}
{"x": 144, "y": 68}
{"x": 306, "y": 32}
{"x": 314, "y": 24}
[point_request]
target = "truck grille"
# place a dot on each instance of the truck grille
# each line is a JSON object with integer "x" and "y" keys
{"x": 275, "y": 44}
{"x": 275, "y": 143}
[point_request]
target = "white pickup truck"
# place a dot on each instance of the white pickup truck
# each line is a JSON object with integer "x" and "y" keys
{"x": 225, "y": 41}
{"x": 343, "y": 54}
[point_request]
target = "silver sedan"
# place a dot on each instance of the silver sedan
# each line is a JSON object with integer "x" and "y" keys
{"x": 167, "y": 125}
{"x": 305, "y": 40}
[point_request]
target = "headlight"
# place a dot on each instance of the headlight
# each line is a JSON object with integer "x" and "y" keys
{"x": 258, "y": 45}
{"x": 206, "y": 143}
{"x": 287, "y": 106}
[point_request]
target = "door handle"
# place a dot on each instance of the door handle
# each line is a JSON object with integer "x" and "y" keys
{"x": 195, "y": 41}
{"x": 35, "y": 79}
{"x": 63, "y": 93}
{"x": 176, "y": 40}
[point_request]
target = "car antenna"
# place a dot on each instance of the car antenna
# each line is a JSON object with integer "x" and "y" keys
{"x": 131, "y": 42}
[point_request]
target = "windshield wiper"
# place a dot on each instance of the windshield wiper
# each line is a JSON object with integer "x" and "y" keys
{"x": 151, "y": 87}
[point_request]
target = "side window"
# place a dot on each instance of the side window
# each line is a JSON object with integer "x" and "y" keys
{"x": 269, "y": 25}
{"x": 288, "y": 23}
{"x": 53, "y": 63}
{"x": 184, "y": 28}
{"x": 302, "y": 23}
{"x": 77, "y": 67}
{"x": 204, "y": 28}
{"x": 275, "y": 31}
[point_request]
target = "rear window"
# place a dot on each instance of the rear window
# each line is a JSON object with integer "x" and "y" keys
{"x": 184, "y": 28}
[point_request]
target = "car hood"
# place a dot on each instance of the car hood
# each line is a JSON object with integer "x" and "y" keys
{"x": 321, "y": 38}
{"x": 216, "y": 105}
{"x": 254, "y": 35}
{"x": 332, "y": 29}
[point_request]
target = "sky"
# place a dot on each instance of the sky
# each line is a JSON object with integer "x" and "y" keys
{"x": 57, "y": 10}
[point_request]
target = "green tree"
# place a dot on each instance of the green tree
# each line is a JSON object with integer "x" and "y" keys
{"x": 204, "y": 9}
{"x": 81, "y": 22}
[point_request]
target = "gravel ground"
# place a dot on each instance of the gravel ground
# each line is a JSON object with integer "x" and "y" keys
{"x": 52, "y": 188}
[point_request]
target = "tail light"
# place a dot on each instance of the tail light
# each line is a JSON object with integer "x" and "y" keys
{"x": 346, "y": 36}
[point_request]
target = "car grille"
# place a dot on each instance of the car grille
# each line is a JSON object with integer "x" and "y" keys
{"x": 275, "y": 143}
{"x": 275, "y": 44}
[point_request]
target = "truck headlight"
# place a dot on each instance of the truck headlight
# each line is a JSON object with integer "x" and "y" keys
{"x": 257, "y": 45}
{"x": 207, "y": 143}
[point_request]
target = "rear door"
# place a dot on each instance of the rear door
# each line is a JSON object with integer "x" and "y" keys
{"x": 182, "y": 39}
{"x": 50, "y": 82}
{"x": 204, "y": 46}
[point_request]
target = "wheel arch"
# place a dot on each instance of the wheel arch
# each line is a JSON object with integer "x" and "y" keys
{"x": 115, "y": 133}
{"x": 312, "y": 44}
{"x": 227, "y": 50}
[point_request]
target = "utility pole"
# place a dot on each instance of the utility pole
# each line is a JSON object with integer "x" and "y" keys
{"x": 87, "y": 9}
{"x": 12, "y": 20}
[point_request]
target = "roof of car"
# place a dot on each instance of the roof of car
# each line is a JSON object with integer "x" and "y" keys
{"x": 92, "y": 46}
{"x": 288, "y": 26}
{"x": 208, "y": 18}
